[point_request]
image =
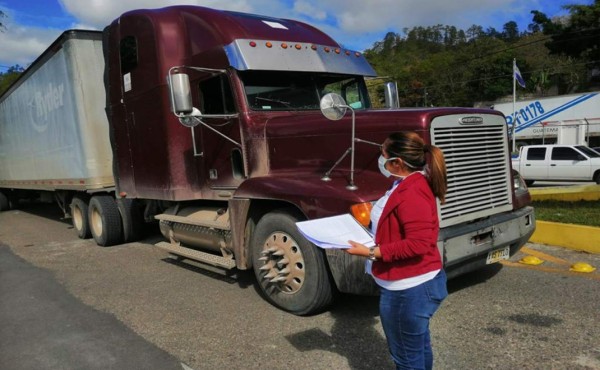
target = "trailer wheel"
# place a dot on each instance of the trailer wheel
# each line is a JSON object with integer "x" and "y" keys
{"x": 290, "y": 270}
{"x": 79, "y": 217}
{"x": 105, "y": 220}
{"x": 132, "y": 218}
{"x": 4, "y": 205}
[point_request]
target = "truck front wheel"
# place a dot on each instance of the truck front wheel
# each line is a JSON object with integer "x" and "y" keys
{"x": 290, "y": 270}
{"x": 105, "y": 220}
{"x": 79, "y": 217}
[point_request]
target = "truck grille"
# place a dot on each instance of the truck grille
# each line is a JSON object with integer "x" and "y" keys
{"x": 479, "y": 183}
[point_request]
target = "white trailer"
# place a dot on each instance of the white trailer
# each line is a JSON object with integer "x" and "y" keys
{"x": 54, "y": 134}
{"x": 567, "y": 119}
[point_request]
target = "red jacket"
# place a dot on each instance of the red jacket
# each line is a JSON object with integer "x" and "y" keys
{"x": 407, "y": 231}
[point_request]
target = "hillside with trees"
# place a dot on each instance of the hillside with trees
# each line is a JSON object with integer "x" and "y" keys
{"x": 445, "y": 66}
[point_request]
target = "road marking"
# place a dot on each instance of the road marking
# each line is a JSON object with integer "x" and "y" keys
{"x": 552, "y": 270}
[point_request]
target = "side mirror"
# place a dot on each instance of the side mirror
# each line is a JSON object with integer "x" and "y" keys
{"x": 391, "y": 95}
{"x": 333, "y": 106}
{"x": 181, "y": 97}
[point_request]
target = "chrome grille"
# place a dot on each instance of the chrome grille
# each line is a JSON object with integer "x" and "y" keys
{"x": 478, "y": 168}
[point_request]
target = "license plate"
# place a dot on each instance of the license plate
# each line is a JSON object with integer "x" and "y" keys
{"x": 498, "y": 255}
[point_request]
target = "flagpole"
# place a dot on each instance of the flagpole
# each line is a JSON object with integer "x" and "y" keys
{"x": 514, "y": 121}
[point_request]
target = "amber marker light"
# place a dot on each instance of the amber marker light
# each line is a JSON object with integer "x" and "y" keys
{"x": 269, "y": 45}
{"x": 298, "y": 46}
{"x": 362, "y": 212}
{"x": 326, "y": 49}
{"x": 347, "y": 52}
{"x": 284, "y": 45}
{"x": 314, "y": 47}
{"x": 337, "y": 51}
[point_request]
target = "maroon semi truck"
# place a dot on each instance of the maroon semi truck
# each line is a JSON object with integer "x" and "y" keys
{"x": 217, "y": 132}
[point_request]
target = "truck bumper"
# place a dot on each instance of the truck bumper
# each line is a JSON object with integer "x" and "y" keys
{"x": 464, "y": 248}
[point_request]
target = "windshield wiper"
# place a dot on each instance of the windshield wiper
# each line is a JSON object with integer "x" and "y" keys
{"x": 284, "y": 103}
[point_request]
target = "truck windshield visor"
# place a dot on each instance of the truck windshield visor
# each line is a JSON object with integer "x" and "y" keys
{"x": 274, "y": 90}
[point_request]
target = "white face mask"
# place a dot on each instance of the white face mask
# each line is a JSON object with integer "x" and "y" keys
{"x": 384, "y": 171}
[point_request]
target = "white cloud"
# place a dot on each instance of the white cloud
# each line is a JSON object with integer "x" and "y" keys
{"x": 99, "y": 13}
{"x": 22, "y": 45}
{"x": 307, "y": 9}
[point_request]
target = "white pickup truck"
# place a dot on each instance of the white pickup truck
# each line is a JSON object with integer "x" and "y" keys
{"x": 557, "y": 163}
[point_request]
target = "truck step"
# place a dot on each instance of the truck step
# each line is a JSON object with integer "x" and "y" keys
{"x": 211, "y": 259}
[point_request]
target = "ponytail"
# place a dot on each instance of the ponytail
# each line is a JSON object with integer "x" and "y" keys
{"x": 438, "y": 177}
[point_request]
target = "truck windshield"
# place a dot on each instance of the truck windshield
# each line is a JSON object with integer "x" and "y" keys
{"x": 274, "y": 90}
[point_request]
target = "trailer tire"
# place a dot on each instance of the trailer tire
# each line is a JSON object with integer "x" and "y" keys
{"x": 80, "y": 217}
{"x": 132, "y": 218}
{"x": 4, "y": 205}
{"x": 105, "y": 220}
{"x": 306, "y": 287}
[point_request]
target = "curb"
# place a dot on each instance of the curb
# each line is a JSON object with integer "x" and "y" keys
{"x": 567, "y": 193}
{"x": 576, "y": 237}
{"x": 571, "y": 236}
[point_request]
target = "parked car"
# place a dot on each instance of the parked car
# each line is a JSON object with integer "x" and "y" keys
{"x": 558, "y": 163}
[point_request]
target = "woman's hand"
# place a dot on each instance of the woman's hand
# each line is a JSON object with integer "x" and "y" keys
{"x": 357, "y": 249}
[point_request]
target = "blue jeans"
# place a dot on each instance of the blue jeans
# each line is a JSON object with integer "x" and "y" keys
{"x": 405, "y": 318}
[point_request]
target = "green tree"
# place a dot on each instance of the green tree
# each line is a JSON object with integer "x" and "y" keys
{"x": 10, "y": 76}
{"x": 577, "y": 35}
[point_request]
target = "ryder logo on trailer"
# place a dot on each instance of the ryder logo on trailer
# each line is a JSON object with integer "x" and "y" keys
{"x": 45, "y": 102}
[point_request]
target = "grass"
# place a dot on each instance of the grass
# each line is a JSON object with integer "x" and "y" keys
{"x": 581, "y": 213}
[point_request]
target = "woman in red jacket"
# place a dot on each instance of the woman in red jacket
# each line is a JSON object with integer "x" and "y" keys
{"x": 406, "y": 262}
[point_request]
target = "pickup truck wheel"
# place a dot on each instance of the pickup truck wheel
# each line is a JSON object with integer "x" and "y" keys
{"x": 597, "y": 177}
{"x": 4, "y": 205}
{"x": 105, "y": 220}
{"x": 79, "y": 217}
{"x": 290, "y": 270}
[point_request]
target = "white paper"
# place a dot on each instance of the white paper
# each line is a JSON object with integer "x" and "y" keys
{"x": 335, "y": 231}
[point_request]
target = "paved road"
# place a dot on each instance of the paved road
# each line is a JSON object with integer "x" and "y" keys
{"x": 134, "y": 297}
{"x": 45, "y": 327}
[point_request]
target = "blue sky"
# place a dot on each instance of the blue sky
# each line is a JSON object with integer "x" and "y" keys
{"x": 32, "y": 25}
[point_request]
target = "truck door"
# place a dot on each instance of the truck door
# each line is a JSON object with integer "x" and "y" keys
{"x": 534, "y": 165}
{"x": 567, "y": 163}
{"x": 222, "y": 161}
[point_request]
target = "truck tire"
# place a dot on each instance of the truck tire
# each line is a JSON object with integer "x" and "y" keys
{"x": 4, "y": 205}
{"x": 105, "y": 220}
{"x": 291, "y": 271}
{"x": 79, "y": 217}
{"x": 597, "y": 178}
{"x": 132, "y": 218}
